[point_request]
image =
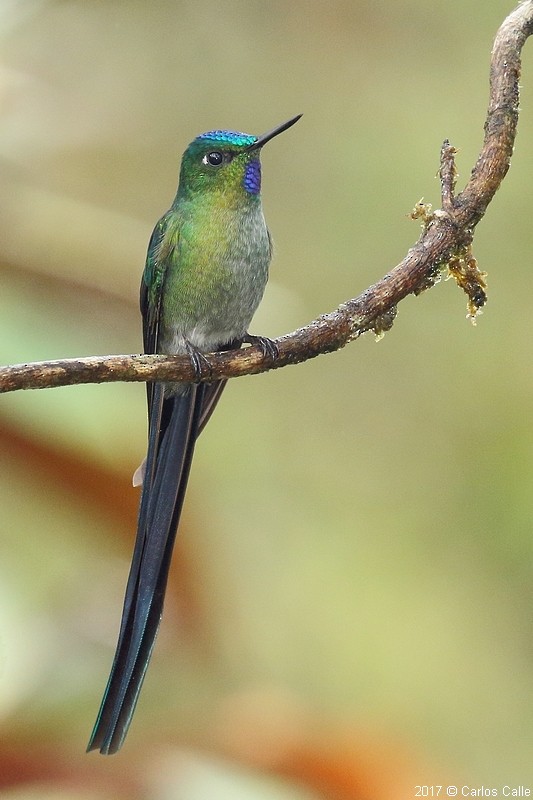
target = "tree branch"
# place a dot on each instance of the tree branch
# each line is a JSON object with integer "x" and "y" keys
{"x": 445, "y": 242}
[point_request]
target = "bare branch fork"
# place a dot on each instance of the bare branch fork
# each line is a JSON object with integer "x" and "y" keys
{"x": 445, "y": 243}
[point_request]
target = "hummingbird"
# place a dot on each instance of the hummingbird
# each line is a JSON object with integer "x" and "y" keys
{"x": 205, "y": 274}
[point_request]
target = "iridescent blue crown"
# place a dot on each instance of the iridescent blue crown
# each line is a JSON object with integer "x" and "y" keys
{"x": 229, "y": 137}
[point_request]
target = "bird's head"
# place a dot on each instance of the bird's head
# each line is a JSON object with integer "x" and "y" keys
{"x": 225, "y": 162}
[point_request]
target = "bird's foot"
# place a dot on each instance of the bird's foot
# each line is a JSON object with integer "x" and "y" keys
{"x": 199, "y": 362}
{"x": 268, "y": 348}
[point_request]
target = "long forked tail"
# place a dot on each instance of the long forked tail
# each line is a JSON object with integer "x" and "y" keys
{"x": 174, "y": 425}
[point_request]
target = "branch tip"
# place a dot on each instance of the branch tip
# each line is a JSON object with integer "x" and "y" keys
{"x": 448, "y": 176}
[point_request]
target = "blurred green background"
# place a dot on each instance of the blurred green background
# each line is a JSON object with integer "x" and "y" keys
{"x": 350, "y": 606}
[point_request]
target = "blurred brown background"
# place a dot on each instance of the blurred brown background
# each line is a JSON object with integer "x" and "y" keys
{"x": 350, "y": 606}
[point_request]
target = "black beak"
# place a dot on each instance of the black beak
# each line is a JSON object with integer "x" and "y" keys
{"x": 266, "y": 137}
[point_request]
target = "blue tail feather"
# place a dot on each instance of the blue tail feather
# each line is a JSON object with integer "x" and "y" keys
{"x": 174, "y": 427}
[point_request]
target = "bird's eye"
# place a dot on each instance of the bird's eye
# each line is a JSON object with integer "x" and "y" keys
{"x": 214, "y": 159}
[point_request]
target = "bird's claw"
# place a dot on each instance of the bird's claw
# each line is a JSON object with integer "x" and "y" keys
{"x": 199, "y": 362}
{"x": 268, "y": 348}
